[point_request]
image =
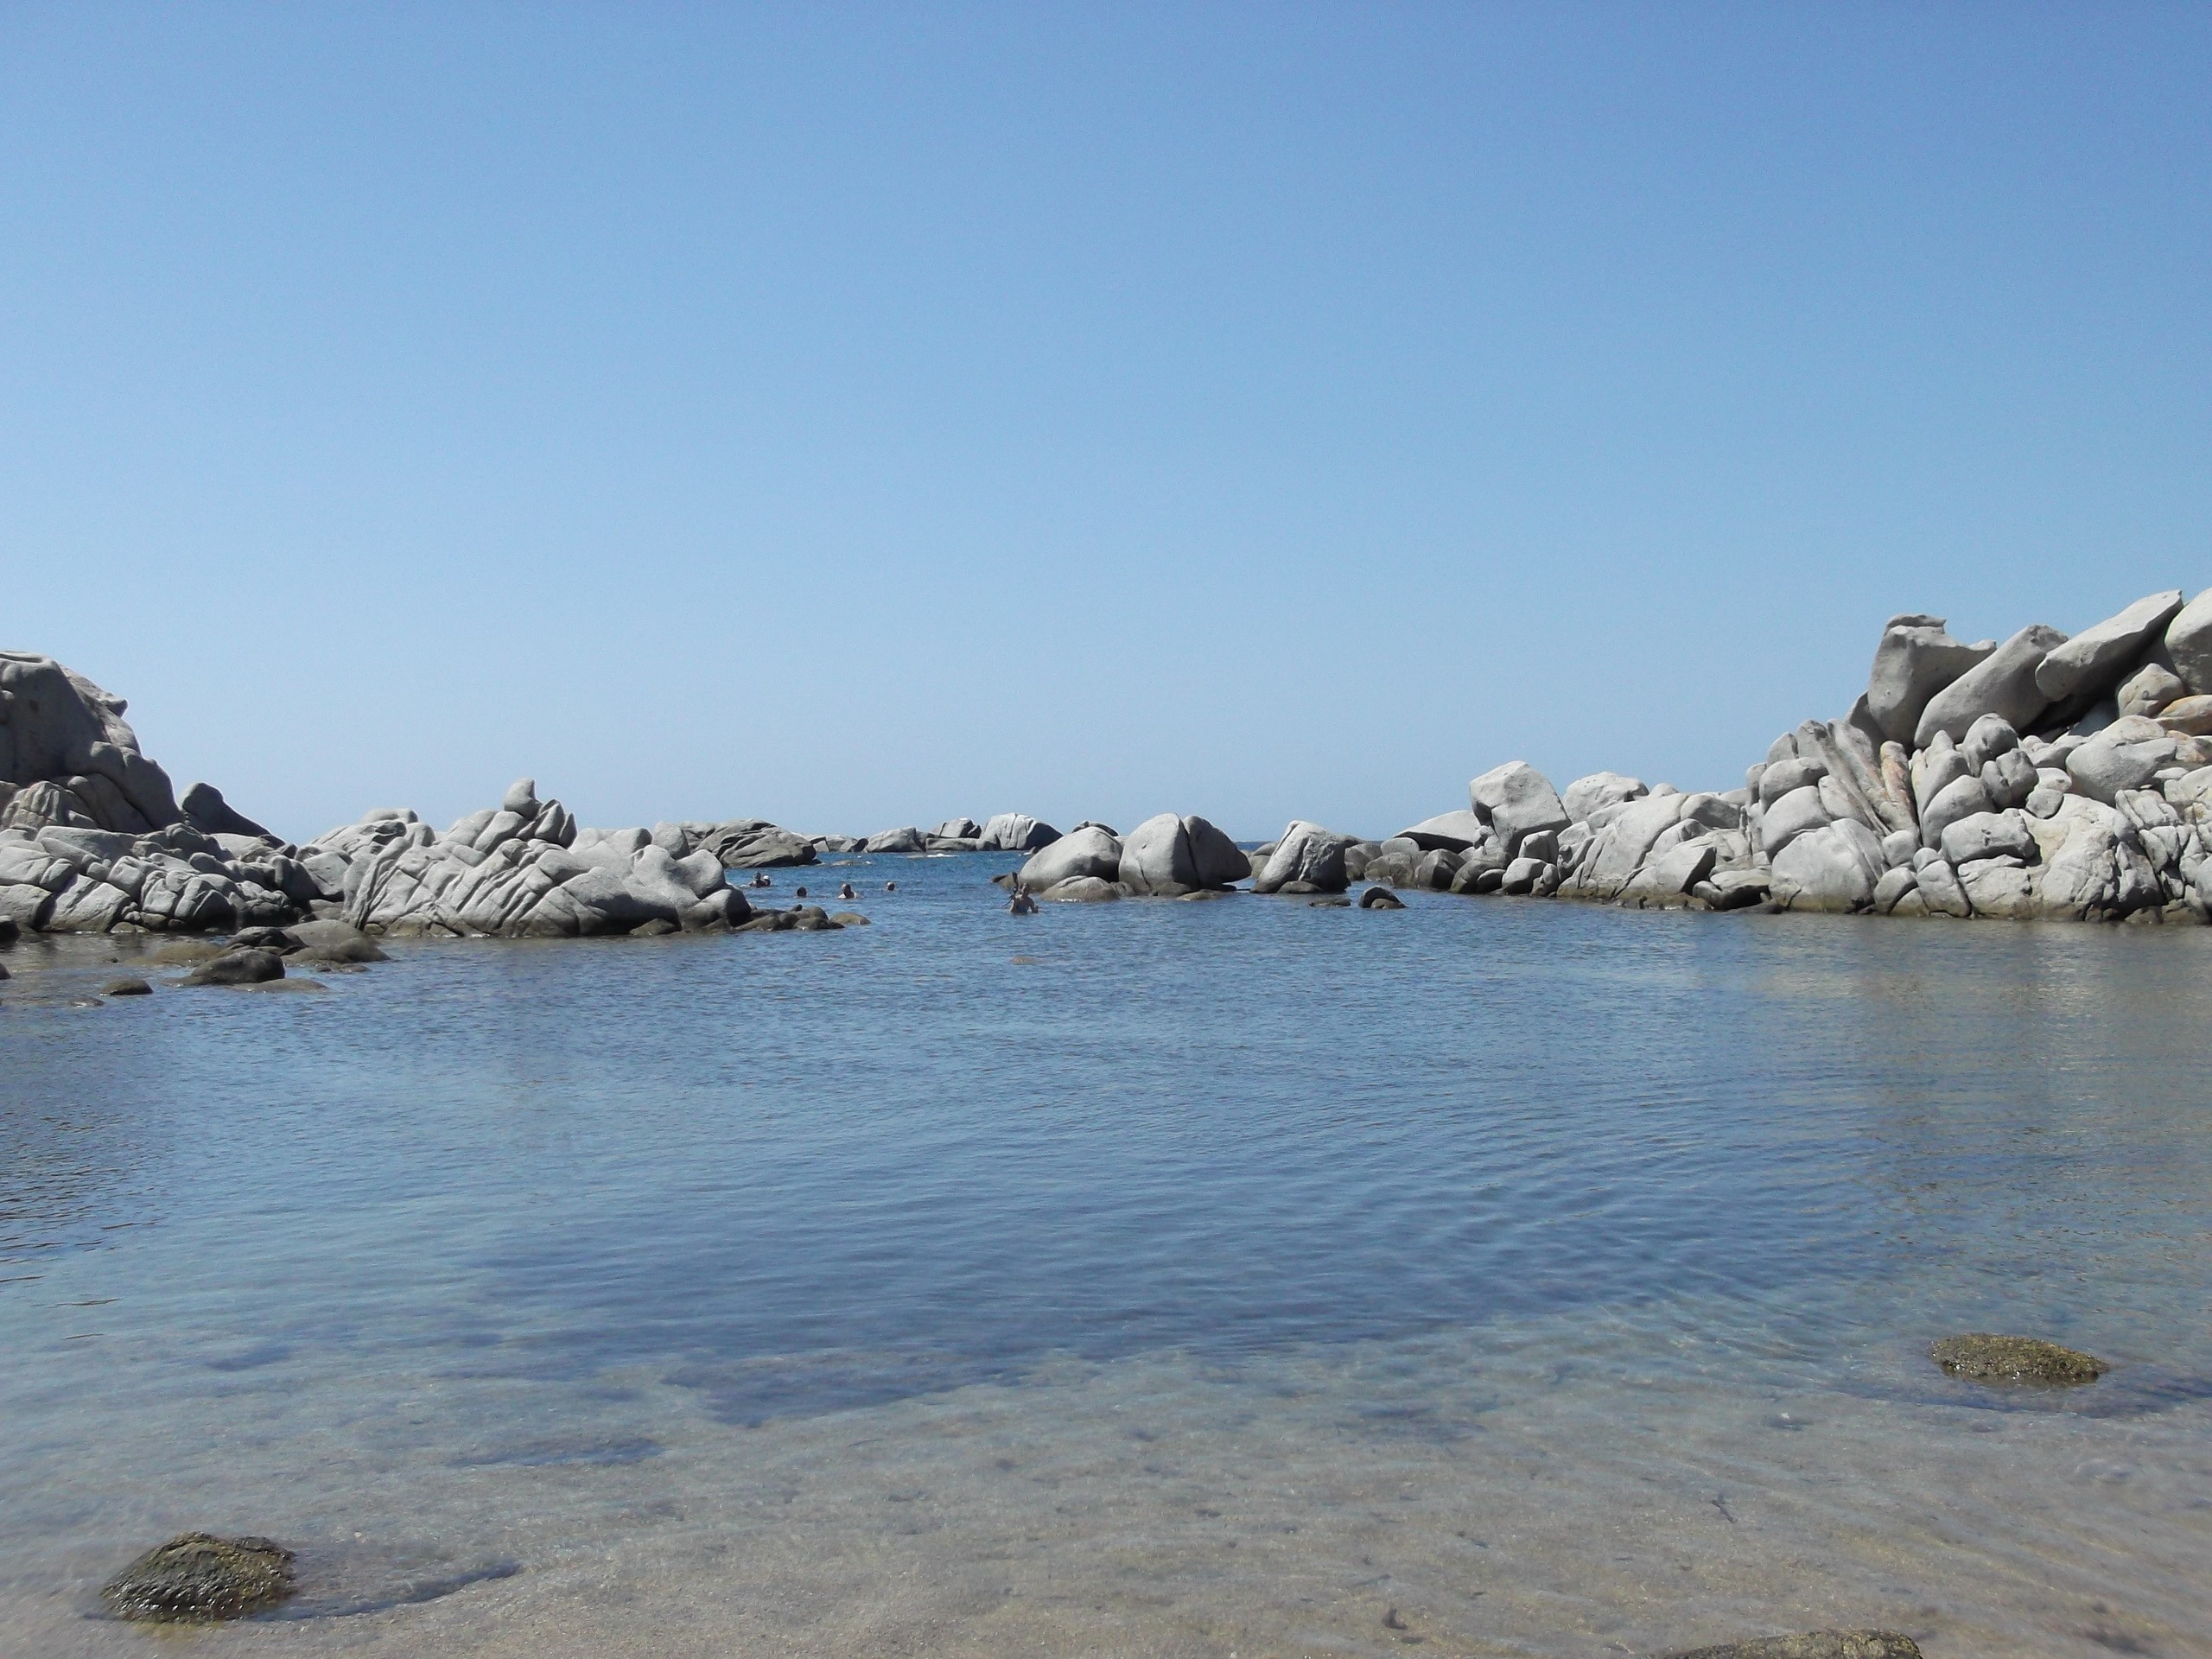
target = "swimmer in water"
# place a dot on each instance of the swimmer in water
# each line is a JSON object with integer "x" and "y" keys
{"x": 891, "y": 886}
{"x": 1021, "y": 905}
{"x": 760, "y": 879}
{"x": 846, "y": 891}
{"x": 799, "y": 892}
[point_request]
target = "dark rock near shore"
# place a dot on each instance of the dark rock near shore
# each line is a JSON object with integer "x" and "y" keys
{"x": 1380, "y": 899}
{"x": 1985, "y": 1358}
{"x": 131, "y": 985}
{"x": 238, "y": 968}
{"x": 198, "y": 1578}
{"x": 1814, "y": 1645}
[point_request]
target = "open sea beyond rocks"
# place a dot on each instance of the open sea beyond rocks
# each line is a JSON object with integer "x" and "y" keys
{"x": 1228, "y": 1278}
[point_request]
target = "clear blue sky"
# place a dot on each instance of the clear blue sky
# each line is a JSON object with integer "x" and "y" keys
{"x": 856, "y": 416}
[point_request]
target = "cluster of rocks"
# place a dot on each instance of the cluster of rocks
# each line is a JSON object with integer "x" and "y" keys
{"x": 1009, "y": 832}
{"x": 94, "y": 839}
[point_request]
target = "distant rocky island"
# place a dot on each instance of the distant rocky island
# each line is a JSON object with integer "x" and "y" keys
{"x": 2046, "y": 777}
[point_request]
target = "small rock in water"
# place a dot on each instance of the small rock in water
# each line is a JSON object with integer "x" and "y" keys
{"x": 265, "y": 938}
{"x": 1814, "y": 1645}
{"x": 850, "y": 918}
{"x": 238, "y": 968}
{"x": 200, "y": 1578}
{"x": 131, "y": 985}
{"x": 1380, "y": 899}
{"x": 1987, "y": 1358}
{"x": 657, "y": 926}
{"x": 1331, "y": 901}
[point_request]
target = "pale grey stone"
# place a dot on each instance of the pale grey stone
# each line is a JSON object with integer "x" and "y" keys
{"x": 2004, "y": 683}
{"x": 1517, "y": 800}
{"x": 1935, "y": 769}
{"x": 1794, "y": 815}
{"x": 1893, "y": 885}
{"x": 1586, "y": 795}
{"x": 1520, "y": 875}
{"x": 1307, "y": 855}
{"x": 2188, "y": 644}
{"x": 2096, "y": 655}
{"x": 2010, "y": 778}
{"x": 1999, "y": 888}
{"x": 906, "y": 839}
{"x": 1957, "y": 800}
{"x": 2118, "y": 758}
{"x": 960, "y": 829}
{"x": 1784, "y": 777}
{"x": 1016, "y": 832}
{"x": 1914, "y": 660}
{"x": 1898, "y": 847}
{"x": 1456, "y": 830}
{"x": 1989, "y": 834}
{"x": 2148, "y": 691}
{"x": 1939, "y": 887}
{"x": 1080, "y": 889}
{"x": 1675, "y": 871}
{"x": 2187, "y": 716}
{"x": 1832, "y": 867}
{"x": 1987, "y": 738}
{"x": 1092, "y": 853}
{"x": 521, "y": 798}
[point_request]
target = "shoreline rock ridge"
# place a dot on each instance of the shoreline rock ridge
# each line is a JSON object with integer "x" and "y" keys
{"x": 2040, "y": 778}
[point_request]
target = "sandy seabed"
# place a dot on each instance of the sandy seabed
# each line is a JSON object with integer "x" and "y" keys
{"x": 1505, "y": 1491}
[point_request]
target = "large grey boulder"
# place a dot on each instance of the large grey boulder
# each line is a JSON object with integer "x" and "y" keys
{"x": 1169, "y": 855}
{"x": 2126, "y": 754}
{"x": 1799, "y": 811}
{"x": 1453, "y": 831}
{"x": 1834, "y": 867}
{"x": 1306, "y": 855}
{"x": 1516, "y": 801}
{"x": 1017, "y": 832}
{"x": 2093, "y": 658}
{"x": 1586, "y": 795}
{"x": 1989, "y": 834}
{"x": 2004, "y": 683}
{"x": 1916, "y": 660}
{"x": 1785, "y": 777}
{"x": 2147, "y": 691}
{"x": 2188, "y": 644}
{"x": 1955, "y": 801}
{"x": 906, "y": 839}
{"x": 60, "y": 729}
{"x": 1092, "y": 851}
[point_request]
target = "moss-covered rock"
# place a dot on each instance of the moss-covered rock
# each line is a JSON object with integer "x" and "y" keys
{"x": 1815, "y": 1644}
{"x": 1987, "y": 1358}
{"x": 199, "y": 1577}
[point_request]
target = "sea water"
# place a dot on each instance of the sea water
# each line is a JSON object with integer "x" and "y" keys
{"x": 1227, "y": 1277}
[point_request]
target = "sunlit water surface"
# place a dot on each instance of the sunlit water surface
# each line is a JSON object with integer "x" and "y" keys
{"x": 1177, "y": 1278}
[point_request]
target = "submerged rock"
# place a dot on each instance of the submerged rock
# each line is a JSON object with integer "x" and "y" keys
{"x": 238, "y": 968}
{"x": 1813, "y": 1644}
{"x": 1985, "y": 1358}
{"x": 199, "y": 1577}
{"x": 1380, "y": 899}
{"x": 131, "y": 985}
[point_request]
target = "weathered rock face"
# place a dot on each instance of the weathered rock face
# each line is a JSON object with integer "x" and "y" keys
{"x": 1015, "y": 832}
{"x": 2003, "y": 685}
{"x": 59, "y": 730}
{"x": 198, "y": 1578}
{"x": 1916, "y": 660}
{"x": 1167, "y": 856}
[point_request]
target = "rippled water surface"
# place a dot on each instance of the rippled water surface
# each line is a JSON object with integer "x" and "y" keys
{"x": 1492, "y": 1276}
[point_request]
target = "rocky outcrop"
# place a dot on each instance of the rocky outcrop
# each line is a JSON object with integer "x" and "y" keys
{"x": 66, "y": 758}
{"x": 2018, "y": 790}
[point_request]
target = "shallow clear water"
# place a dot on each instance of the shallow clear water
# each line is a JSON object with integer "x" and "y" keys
{"x": 1492, "y": 1276}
